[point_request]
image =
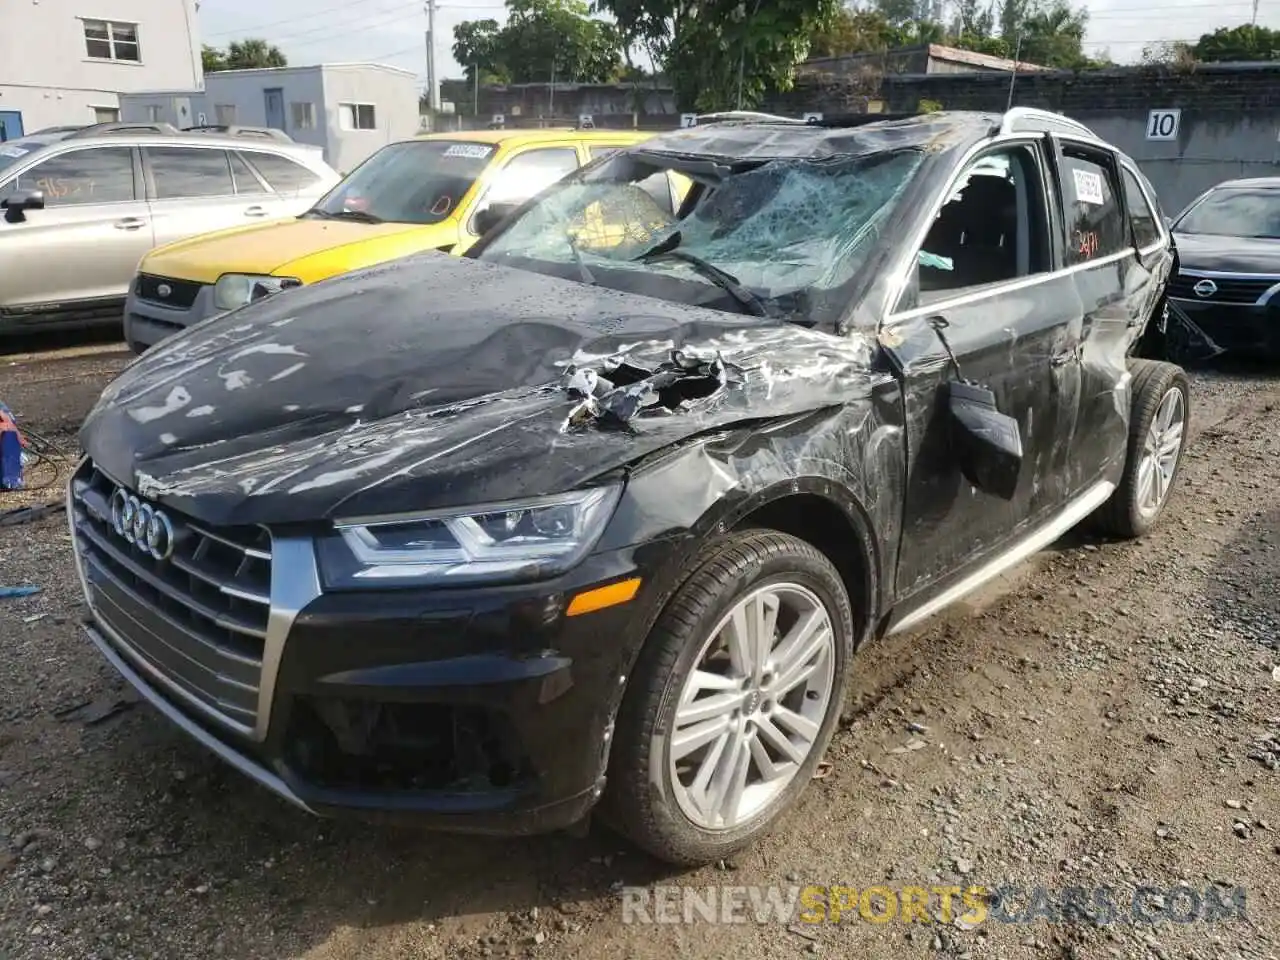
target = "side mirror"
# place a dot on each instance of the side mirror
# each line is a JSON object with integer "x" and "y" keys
{"x": 492, "y": 215}
{"x": 986, "y": 442}
{"x": 20, "y": 201}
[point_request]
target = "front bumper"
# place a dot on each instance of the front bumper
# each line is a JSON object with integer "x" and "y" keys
{"x": 147, "y": 321}
{"x": 475, "y": 710}
{"x": 1252, "y": 329}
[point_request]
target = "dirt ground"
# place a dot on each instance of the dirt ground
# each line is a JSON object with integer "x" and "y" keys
{"x": 1107, "y": 716}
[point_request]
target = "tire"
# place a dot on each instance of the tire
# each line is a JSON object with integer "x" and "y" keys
{"x": 645, "y": 799}
{"x": 1131, "y": 512}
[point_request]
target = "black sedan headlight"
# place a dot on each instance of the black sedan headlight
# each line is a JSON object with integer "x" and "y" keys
{"x": 507, "y": 542}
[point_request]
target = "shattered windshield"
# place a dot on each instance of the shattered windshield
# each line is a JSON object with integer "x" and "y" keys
{"x": 417, "y": 181}
{"x": 781, "y": 227}
{"x": 1236, "y": 213}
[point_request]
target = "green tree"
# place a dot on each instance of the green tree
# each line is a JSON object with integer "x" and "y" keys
{"x": 242, "y": 55}
{"x": 212, "y": 59}
{"x": 1245, "y": 42}
{"x": 540, "y": 40}
{"x": 722, "y": 54}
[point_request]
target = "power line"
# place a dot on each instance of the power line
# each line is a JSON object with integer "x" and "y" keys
{"x": 274, "y": 23}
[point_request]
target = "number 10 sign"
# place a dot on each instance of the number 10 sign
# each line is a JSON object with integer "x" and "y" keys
{"x": 1163, "y": 124}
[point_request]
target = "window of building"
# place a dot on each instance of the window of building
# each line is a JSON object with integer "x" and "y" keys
{"x": 304, "y": 115}
{"x": 244, "y": 178}
{"x": 93, "y": 175}
{"x": 106, "y": 114}
{"x": 992, "y": 229}
{"x": 1095, "y": 220}
{"x": 112, "y": 40}
{"x": 190, "y": 172}
{"x": 284, "y": 175}
{"x": 153, "y": 112}
{"x": 356, "y": 116}
{"x": 224, "y": 114}
{"x": 1141, "y": 217}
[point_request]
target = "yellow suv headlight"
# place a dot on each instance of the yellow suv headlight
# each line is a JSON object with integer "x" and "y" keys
{"x": 236, "y": 289}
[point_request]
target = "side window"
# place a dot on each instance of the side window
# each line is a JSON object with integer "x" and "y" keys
{"x": 246, "y": 182}
{"x": 283, "y": 174}
{"x": 993, "y": 227}
{"x": 1141, "y": 217}
{"x": 181, "y": 172}
{"x": 1091, "y": 206}
{"x": 532, "y": 171}
{"x": 96, "y": 175}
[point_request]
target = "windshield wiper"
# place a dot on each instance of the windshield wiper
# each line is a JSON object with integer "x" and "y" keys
{"x": 359, "y": 215}
{"x": 583, "y": 270}
{"x": 725, "y": 281}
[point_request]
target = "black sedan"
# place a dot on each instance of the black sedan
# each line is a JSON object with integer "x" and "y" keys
{"x": 1224, "y": 293}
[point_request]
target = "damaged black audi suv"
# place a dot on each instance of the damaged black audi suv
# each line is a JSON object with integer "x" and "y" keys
{"x": 595, "y": 517}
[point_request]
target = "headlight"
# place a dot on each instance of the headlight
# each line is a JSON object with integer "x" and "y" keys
{"x": 526, "y": 540}
{"x": 236, "y": 289}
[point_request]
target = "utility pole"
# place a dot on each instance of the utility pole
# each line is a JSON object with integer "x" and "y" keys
{"x": 1254, "y": 21}
{"x": 433, "y": 96}
{"x": 742, "y": 55}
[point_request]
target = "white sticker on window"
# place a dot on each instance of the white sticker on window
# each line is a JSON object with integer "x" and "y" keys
{"x": 13, "y": 152}
{"x": 472, "y": 151}
{"x": 1088, "y": 186}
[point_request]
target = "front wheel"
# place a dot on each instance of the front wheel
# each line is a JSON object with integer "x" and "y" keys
{"x": 1158, "y": 429}
{"x": 733, "y": 700}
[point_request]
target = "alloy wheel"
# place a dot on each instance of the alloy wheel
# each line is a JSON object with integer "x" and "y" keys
{"x": 1160, "y": 451}
{"x": 752, "y": 706}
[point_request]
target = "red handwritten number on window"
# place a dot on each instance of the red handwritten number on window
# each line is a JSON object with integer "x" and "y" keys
{"x": 1087, "y": 243}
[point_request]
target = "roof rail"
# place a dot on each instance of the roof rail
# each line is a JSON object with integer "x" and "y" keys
{"x": 118, "y": 127}
{"x": 1024, "y": 119}
{"x": 236, "y": 130}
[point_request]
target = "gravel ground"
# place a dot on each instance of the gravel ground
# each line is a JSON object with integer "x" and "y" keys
{"x": 1107, "y": 715}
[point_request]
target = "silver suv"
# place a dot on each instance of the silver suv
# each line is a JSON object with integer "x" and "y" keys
{"x": 80, "y": 212}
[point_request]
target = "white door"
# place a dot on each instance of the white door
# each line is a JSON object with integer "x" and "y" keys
{"x": 86, "y": 243}
{"x": 193, "y": 192}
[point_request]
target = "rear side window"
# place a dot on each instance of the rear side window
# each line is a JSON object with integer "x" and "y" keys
{"x": 1141, "y": 217}
{"x": 185, "y": 172}
{"x": 246, "y": 182}
{"x": 96, "y": 175}
{"x": 284, "y": 175}
{"x": 1094, "y": 217}
{"x": 530, "y": 172}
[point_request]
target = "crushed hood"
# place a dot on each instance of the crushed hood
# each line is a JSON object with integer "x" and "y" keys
{"x": 437, "y": 381}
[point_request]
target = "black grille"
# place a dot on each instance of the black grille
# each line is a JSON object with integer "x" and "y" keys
{"x": 1229, "y": 291}
{"x": 182, "y": 293}
{"x": 198, "y": 618}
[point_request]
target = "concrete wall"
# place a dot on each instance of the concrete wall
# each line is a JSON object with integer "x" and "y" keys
{"x": 394, "y": 95}
{"x": 392, "y": 92}
{"x": 1229, "y": 125}
{"x": 47, "y": 74}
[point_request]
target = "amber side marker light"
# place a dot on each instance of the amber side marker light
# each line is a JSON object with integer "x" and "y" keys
{"x": 599, "y": 598}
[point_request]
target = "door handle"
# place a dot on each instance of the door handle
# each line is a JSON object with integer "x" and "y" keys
{"x": 255, "y": 211}
{"x": 130, "y": 223}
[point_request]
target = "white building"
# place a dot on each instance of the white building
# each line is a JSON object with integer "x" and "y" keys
{"x": 348, "y": 109}
{"x": 64, "y": 62}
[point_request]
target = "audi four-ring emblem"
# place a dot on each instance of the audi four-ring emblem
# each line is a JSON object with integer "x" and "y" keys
{"x": 142, "y": 525}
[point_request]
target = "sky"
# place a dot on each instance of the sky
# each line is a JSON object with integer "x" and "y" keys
{"x": 394, "y": 31}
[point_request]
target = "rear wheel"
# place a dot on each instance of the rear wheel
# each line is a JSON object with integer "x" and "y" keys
{"x": 733, "y": 700}
{"x": 1158, "y": 428}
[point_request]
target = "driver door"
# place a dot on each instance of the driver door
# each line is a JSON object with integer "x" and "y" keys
{"x": 986, "y": 276}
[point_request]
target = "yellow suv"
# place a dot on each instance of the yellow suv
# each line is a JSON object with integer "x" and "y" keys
{"x": 435, "y": 192}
